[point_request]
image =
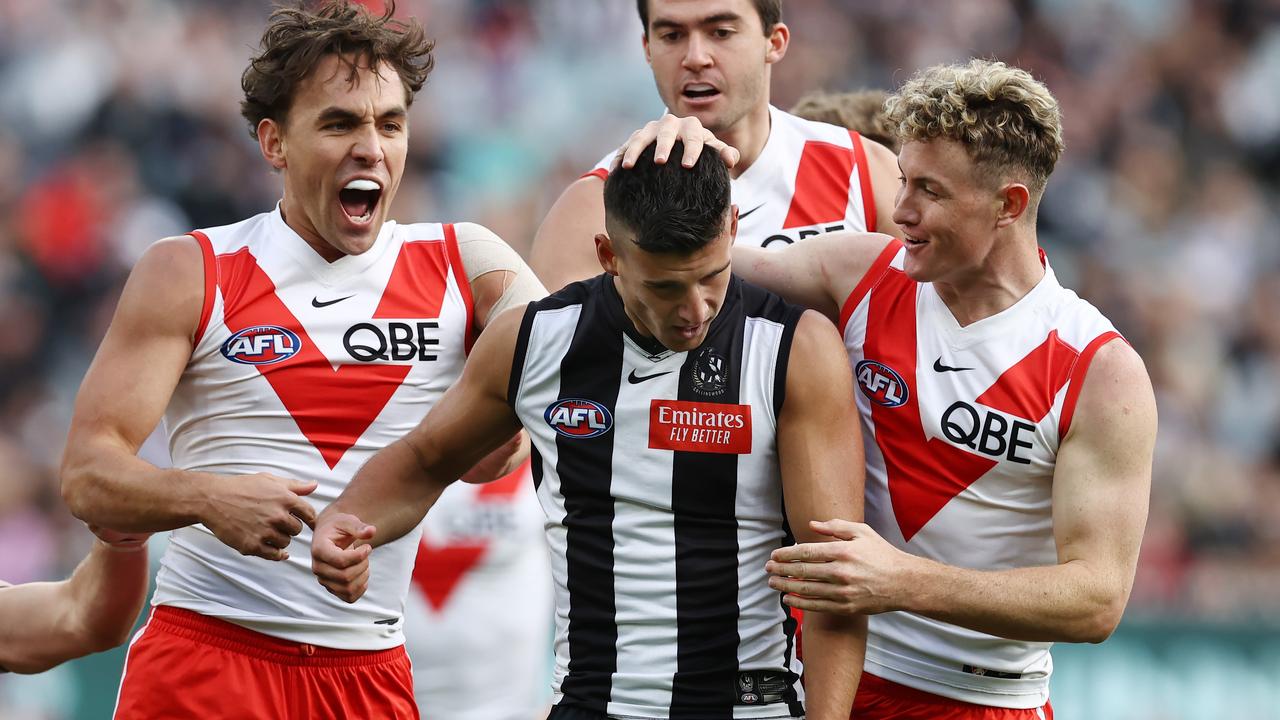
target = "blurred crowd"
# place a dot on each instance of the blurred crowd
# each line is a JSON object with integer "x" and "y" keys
{"x": 119, "y": 125}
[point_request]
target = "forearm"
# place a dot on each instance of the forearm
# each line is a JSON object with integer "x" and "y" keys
{"x": 1069, "y": 602}
{"x": 44, "y": 624}
{"x": 109, "y": 587}
{"x": 392, "y": 492}
{"x": 107, "y": 485}
{"x": 834, "y": 647}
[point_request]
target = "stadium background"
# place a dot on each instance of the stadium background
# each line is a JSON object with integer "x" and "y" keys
{"x": 119, "y": 125}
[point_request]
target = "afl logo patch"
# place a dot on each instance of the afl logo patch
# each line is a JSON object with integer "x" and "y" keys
{"x": 881, "y": 383}
{"x": 261, "y": 345}
{"x": 579, "y": 419}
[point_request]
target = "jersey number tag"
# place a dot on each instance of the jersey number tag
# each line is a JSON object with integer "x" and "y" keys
{"x": 700, "y": 427}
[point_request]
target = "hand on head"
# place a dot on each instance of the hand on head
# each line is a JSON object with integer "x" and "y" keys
{"x": 665, "y": 132}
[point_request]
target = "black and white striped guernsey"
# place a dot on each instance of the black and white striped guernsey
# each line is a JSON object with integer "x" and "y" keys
{"x": 658, "y": 473}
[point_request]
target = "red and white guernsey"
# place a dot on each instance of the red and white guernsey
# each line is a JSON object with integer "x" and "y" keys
{"x": 481, "y": 604}
{"x": 961, "y": 429}
{"x": 304, "y": 369}
{"x": 810, "y": 178}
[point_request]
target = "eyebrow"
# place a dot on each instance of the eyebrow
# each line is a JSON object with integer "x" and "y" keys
{"x": 724, "y": 17}
{"x": 660, "y": 284}
{"x": 332, "y": 113}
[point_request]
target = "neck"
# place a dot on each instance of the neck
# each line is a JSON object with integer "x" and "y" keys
{"x": 749, "y": 136}
{"x": 1001, "y": 280}
{"x": 295, "y": 219}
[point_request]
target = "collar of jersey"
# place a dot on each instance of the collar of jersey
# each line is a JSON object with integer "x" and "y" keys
{"x": 329, "y": 273}
{"x": 1005, "y": 321}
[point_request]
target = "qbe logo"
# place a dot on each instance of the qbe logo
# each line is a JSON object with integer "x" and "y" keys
{"x": 261, "y": 345}
{"x": 579, "y": 419}
{"x": 881, "y": 383}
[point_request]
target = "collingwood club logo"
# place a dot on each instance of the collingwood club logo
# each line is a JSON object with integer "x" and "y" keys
{"x": 710, "y": 373}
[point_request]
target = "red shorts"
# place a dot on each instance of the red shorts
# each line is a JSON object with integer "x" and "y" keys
{"x": 184, "y": 664}
{"x": 879, "y": 699}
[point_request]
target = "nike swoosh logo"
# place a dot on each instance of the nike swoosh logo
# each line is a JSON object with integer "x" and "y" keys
{"x": 743, "y": 215}
{"x": 315, "y": 301}
{"x": 939, "y": 367}
{"x": 634, "y": 379}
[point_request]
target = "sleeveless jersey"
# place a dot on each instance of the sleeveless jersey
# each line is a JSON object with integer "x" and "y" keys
{"x": 304, "y": 369}
{"x": 480, "y": 604}
{"x": 658, "y": 474}
{"x": 961, "y": 430}
{"x": 810, "y": 178}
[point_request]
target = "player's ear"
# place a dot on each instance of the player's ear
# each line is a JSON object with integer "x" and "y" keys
{"x": 779, "y": 39}
{"x": 1015, "y": 198}
{"x": 604, "y": 253}
{"x": 733, "y": 224}
{"x": 271, "y": 142}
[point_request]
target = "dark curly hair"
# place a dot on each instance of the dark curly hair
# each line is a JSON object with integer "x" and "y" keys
{"x": 296, "y": 39}
{"x": 668, "y": 208}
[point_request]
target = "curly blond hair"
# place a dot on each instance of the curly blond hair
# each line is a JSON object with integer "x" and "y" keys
{"x": 1007, "y": 120}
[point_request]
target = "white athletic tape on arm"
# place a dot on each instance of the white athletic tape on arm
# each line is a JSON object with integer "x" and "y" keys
{"x": 484, "y": 252}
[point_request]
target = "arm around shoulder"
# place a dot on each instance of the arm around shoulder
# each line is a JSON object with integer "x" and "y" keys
{"x": 818, "y": 273}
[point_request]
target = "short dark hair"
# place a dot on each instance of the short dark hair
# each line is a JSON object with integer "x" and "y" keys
{"x": 296, "y": 39}
{"x": 770, "y": 12}
{"x": 669, "y": 208}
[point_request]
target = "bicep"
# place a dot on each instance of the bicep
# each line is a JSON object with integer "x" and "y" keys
{"x": 819, "y": 439}
{"x": 1102, "y": 479}
{"x": 564, "y": 248}
{"x": 146, "y": 347}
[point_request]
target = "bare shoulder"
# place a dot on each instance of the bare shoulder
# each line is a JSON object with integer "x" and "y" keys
{"x": 1116, "y": 399}
{"x": 167, "y": 285}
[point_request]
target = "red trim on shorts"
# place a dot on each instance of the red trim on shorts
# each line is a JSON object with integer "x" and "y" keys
{"x": 210, "y": 284}
{"x": 601, "y": 173}
{"x": 464, "y": 285}
{"x": 229, "y": 636}
{"x": 877, "y": 270}
{"x": 1076, "y": 380}
{"x": 880, "y": 698}
{"x": 864, "y": 179}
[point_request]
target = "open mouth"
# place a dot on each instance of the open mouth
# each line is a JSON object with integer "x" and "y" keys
{"x": 359, "y": 198}
{"x": 699, "y": 91}
{"x": 914, "y": 242}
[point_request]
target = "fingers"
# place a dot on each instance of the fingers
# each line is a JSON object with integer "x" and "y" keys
{"x": 303, "y": 487}
{"x": 793, "y": 586}
{"x": 824, "y": 572}
{"x": 303, "y": 510}
{"x": 274, "y": 548}
{"x": 346, "y": 583}
{"x": 729, "y": 154}
{"x": 809, "y": 604}
{"x": 837, "y": 528}
{"x": 818, "y": 552}
{"x": 288, "y": 524}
